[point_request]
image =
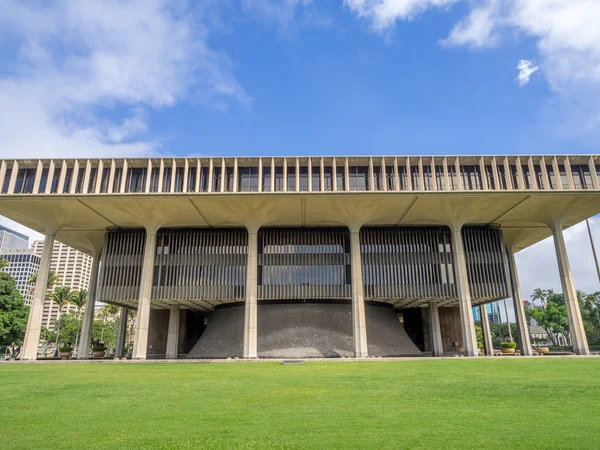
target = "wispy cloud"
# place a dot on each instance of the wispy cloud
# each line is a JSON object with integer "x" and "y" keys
{"x": 74, "y": 58}
{"x": 526, "y": 68}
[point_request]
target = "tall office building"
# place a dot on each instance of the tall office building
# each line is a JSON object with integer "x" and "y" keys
{"x": 11, "y": 240}
{"x": 493, "y": 311}
{"x": 22, "y": 264}
{"x": 73, "y": 267}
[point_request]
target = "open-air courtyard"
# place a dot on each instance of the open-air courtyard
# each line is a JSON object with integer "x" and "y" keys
{"x": 448, "y": 403}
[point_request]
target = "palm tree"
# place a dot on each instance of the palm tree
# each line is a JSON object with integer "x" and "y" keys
{"x": 78, "y": 299}
{"x": 53, "y": 280}
{"x": 61, "y": 296}
{"x": 541, "y": 295}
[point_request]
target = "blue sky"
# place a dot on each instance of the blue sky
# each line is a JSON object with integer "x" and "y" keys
{"x": 279, "y": 77}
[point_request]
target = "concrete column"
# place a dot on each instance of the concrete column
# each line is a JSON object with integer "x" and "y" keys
{"x": 83, "y": 351}
{"x": 464, "y": 294}
{"x": 122, "y": 334}
{"x": 250, "y": 313}
{"x": 173, "y": 333}
{"x": 437, "y": 348}
{"x": 359, "y": 322}
{"x": 522, "y": 329}
{"x": 143, "y": 313}
{"x": 487, "y": 333}
{"x": 34, "y": 323}
{"x": 576, "y": 330}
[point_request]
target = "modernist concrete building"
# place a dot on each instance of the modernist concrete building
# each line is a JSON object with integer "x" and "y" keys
{"x": 308, "y": 256}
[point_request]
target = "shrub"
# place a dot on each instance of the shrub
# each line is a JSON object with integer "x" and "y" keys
{"x": 508, "y": 344}
{"x": 99, "y": 348}
{"x": 65, "y": 349}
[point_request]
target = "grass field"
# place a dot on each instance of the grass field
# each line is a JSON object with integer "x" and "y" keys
{"x": 458, "y": 403}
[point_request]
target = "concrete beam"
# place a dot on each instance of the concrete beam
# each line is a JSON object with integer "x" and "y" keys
{"x": 122, "y": 333}
{"x": 576, "y": 330}
{"x": 485, "y": 328}
{"x": 34, "y": 323}
{"x": 437, "y": 347}
{"x": 359, "y": 321}
{"x": 140, "y": 346}
{"x": 521, "y": 319}
{"x": 173, "y": 333}
{"x": 83, "y": 352}
{"x": 250, "y": 313}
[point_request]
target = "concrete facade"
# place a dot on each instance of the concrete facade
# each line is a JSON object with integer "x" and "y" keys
{"x": 402, "y": 230}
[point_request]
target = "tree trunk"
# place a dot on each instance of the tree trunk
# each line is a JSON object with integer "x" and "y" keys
{"x": 57, "y": 330}
{"x": 551, "y": 336}
{"x": 77, "y": 334}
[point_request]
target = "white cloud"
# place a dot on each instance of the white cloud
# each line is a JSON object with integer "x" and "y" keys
{"x": 73, "y": 58}
{"x": 383, "y": 14}
{"x": 526, "y": 68}
{"x": 477, "y": 30}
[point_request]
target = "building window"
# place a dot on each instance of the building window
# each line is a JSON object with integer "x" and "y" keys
{"x": 340, "y": 178}
{"x": 167, "y": 171}
{"x": 204, "y": 174}
{"x": 117, "y": 180}
{"x": 6, "y": 181}
{"x": 291, "y": 178}
{"x": 191, "y": 181}
{"x": 539, "y": 178}
{"x": 316, "y": 178}
{"x": 328, "y": 178}
{"x": 489, "y": 176}
{"x": 91, "y": 187}
{"x": 551, "y": 176}
{"x": 266, "y": 179}
{"x": 452, "y": 177}
{"x": 279, "y": 179}
{"x": 248, "y": 179}
{"x": 502, "y": 176}
{"x": 402, "y": 178}
{"x": 25, "y": 180}
{"x": 303, "y": 178}
{"x": 216, "y": 187}
{"x": 359, "y": 178}
{"x": 68, "y": 177}
{"x": 582, "y": 178}
{"x": 43, "y": 181}
{"x": 390, "y": 178}
{"x": 80, "y": 179}
{"x": 378, "y": 178}
{"x": 515, "y": 177}
{"x": 562, "y": 172}
{"x": 527, "y": 178}
{"x": 179, "y": 173}
{"x": 427, "y": 180}
{"x": 439, "y": 178}
{"x": 136, "y": 180}
{"x": 415, "y": 178}
{"x": 154, "y": 176}
{"x": 229, "y": 176}
{"x": 471, "y": 177}
{"x": 105, "y": 180}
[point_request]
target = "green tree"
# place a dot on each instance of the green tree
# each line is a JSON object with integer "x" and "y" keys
{"x": 53, "y": 280}
{"x": 3, "y": 263}
{"x": 78, "y": 299}
{"x": 13, "y": 314}
{"x": 553, "y": 318}
{"x": 541, "y": 295}
{"x": 499, "y": 332}
{"x": 61, "y": 297}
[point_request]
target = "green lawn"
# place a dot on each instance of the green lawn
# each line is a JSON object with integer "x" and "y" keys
{"x": 458, "y": 403}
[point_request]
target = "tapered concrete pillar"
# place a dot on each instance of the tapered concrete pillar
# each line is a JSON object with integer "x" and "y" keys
{"x": 576, "y": 330}
{"x": 437, "y": 349}
{"x": 359, "y": 322}
{"x": 521, "y": 319}
{"x": 173, "y": 333}
{"x": 140, "y": 346}
{"x": 485, "y": 329}
{"x": 34, "y": 322}
{"x": 83, "y": 351}
{"x": 464, "y": 294}
{"x": 250, "y": 313}
{"x": 122, "y": 334}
